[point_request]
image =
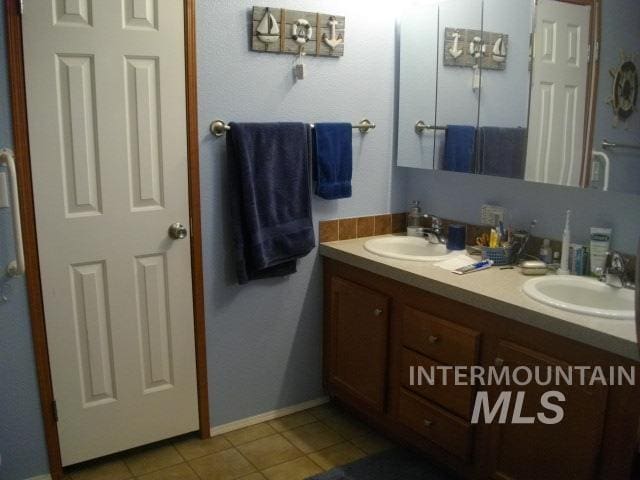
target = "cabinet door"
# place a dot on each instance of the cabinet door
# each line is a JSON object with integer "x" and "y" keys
{"x": 568, "y": 449}
{"x": 358, "y": 331}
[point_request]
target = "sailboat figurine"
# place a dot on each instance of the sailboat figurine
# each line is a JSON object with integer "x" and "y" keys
{"x": 499, "y": 53}
{"x": 268, "y": 30}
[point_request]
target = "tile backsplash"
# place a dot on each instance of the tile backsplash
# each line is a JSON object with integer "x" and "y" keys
{"x": 358, "y": 227}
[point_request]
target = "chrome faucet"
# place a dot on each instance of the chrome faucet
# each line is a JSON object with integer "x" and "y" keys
{"x": 615, "y": 272}
{"x": 435, "y": 234}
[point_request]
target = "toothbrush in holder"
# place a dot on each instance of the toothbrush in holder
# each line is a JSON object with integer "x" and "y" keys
{"x": 566, "y": 240}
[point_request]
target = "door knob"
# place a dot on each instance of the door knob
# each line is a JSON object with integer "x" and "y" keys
{"x": 377, "y": 312}
{"x": 177, "y": 231}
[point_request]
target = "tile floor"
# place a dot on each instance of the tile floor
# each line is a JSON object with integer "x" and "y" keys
{"x": 289, "y": 448}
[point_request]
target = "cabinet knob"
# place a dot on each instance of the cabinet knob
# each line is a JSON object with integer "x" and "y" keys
{"x": 377, "y": 312}
{"x": 433, "y": 339}
{"x": 428, "y": 423}
{"x": 498, "y": 362}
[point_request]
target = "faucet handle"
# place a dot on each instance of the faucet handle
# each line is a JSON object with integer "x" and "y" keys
{"x": 435, "y": 221}
{"x": 615, "y": 263}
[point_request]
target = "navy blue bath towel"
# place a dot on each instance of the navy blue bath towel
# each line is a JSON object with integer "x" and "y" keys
{"x": 332, "y": 152}
{"x": 270, "y": 197}
{"x": 503, "y": 151}
{"x": 459, "y": 149}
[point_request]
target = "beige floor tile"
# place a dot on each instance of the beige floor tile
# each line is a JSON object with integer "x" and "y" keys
{"x": 269, "y": 451}
{"x": 181, "y": 471}
{"x": 113, "y": 469}
{"x": 225, "y": 465}
{"x": 346, "y": 426}
{"x": 248, "y": 434}
{"x": 313, "y": 437}
{"x": 292, "y": 421}
{"x": 297, "y": 469}
{"x": 337, "y": 455}
{"x": 194, "y": 447}
{"x": 152, "y": 459}
{"x": 253, "y": 476}
{"x": 372, "y": 443}
{"x": 323, "y": 411}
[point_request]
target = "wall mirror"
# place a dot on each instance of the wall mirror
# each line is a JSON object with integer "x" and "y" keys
{"x": 542, "y": 91}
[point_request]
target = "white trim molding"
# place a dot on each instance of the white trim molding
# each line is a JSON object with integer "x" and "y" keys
{"x": 264, "y": 417}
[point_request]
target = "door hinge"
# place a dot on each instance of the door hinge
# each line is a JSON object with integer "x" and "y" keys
{"x": 596, "y": 51}
{"x": 54, "y": 406}
{"x": 589, "y": 53}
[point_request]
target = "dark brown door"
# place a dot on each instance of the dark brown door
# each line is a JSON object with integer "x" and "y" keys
{"x": 565, "y": 450}
{"x": 359, "y": 324}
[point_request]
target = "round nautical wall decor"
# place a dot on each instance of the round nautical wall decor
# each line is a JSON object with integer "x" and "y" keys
{"x": 625, "y": 88}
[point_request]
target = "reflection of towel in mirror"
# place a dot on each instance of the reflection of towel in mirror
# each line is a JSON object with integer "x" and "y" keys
{"x": 502, "y": 151}
{"x": 459, "y": 148}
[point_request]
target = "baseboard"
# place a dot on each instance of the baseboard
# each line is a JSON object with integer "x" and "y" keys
{"x": 263, "y": 417}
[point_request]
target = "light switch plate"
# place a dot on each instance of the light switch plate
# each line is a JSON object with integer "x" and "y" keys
{"x": 4, "y": 190}
{"x": 491, "y": 215}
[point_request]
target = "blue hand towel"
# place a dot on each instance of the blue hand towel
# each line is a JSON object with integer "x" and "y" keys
{"x": 270, "y": 197}
{"x": 459, "y": 148}
{"x": 332, "y": 160}
{"x": 503, "y": 151}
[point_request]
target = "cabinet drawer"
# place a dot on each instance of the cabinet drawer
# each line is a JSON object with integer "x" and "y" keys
{"x": 454, "y": 398}
{"x": 439, "y": 339}
{"x": 442, "y": 428}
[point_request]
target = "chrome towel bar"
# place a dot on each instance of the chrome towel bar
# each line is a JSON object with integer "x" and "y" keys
{"x": 218, "y": 127}
{"x": 421, "y": 127}
{"x": 607, "y": 145}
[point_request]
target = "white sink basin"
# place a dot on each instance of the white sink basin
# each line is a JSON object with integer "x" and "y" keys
{"x": 582, "y": 295}
{"x": 409, "y": 248}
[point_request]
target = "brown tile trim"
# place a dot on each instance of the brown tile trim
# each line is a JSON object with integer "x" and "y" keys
{"x": 328, "y": 231}
{"x": 398, "y": 222}
{"x": 382, "y": 224}
{"x": 366, "y": 226}
{"x": 358, "y": 227}
{"x": 347, "y": 228}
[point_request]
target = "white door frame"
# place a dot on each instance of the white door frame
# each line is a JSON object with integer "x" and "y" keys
{"x": 27, "y": 211}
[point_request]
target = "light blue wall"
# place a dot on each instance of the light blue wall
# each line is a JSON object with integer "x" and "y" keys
{"x": 620, "y": 31}
{"x": 21, "y": 435}
{"x": 459, "y": 196}
{"x": 264, "y": 339}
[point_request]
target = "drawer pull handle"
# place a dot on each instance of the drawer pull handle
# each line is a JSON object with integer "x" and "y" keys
{"x": 433, "y": 339}
{"x": 428, "y": 423}
{"x": 498, "y": 362}
{"x": 377, "y": 312}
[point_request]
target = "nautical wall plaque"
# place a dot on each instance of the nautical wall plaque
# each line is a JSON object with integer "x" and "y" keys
{"x": 625, "y": 89}
{"x": 278, "y": 30}
{"x": 466, "y": 48}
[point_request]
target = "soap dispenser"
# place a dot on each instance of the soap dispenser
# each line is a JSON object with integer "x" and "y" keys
{"x": 414, "y": 220}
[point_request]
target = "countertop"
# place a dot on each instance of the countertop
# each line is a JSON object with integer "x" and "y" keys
{"x": 494, "y": 290}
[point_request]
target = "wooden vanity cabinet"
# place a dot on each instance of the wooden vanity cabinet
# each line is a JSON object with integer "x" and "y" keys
{"x": 377, "y": 328}
{"x": 359, "y": 340}
{"x": 569, "y": 449}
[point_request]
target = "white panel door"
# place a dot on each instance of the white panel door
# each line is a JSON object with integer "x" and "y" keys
{"x": 107, "y": 128}
{"x": 559, "y": 92}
